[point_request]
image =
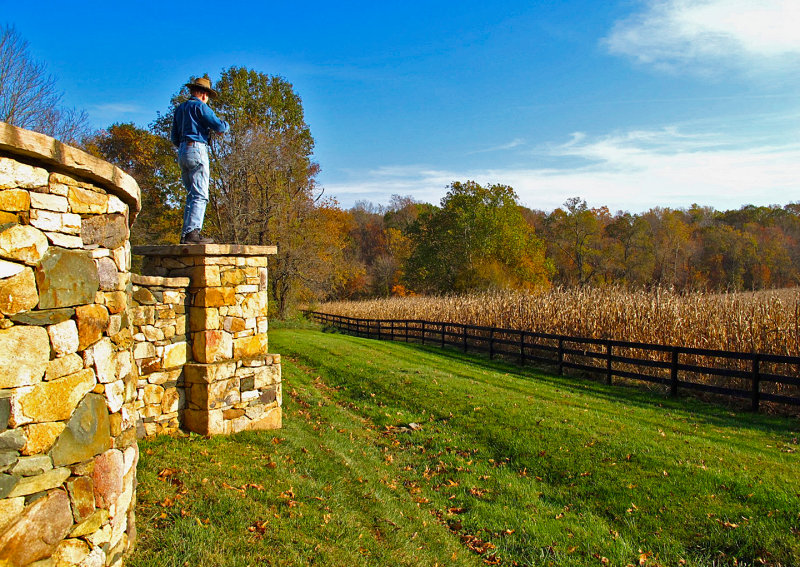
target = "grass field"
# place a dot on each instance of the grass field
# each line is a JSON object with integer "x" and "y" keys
{"x": 395, "y": 454}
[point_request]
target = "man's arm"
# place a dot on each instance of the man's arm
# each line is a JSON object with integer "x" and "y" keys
{"x": 211, "y": 120}
{"x": 175, "y": 135}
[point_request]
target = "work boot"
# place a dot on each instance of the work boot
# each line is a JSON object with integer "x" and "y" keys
{"x": 193, "y": 237}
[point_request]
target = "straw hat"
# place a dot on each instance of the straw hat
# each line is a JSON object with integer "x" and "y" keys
{"x": 202, "y": 83}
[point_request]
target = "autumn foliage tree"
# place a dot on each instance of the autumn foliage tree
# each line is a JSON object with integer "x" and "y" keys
{"x": 477, "y": 239}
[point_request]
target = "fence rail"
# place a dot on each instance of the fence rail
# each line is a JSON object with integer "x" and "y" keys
{"x": 754, "y": 376}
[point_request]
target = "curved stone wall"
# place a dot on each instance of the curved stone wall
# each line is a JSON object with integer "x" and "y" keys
{"x": 68, "y": 379}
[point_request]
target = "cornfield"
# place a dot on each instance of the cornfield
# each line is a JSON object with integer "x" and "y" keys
{"x": 764, "y": 322}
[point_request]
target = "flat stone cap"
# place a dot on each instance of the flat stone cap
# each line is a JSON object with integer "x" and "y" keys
{"x": 74, "y": 162}
{"x": 205, "y": 250}
{"x": 157, "y": 281}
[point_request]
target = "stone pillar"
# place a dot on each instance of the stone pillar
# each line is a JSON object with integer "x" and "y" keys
{"x": 68, "y": 448}
{"x": 232, "y": 384}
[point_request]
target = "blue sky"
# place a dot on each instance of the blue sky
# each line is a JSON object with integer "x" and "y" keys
{"x": 631, "y": 104}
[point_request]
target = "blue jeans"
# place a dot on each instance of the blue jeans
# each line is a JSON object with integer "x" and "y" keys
{"x": 193, "y": 160}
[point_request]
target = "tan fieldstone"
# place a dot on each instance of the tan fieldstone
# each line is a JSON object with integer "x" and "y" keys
{"x": 101, "y": 355}
{"x": 215, "y": 297}
{"x": 23, "y": 243}
{"x": 115, "y": 395}
{"x": 212, "y": 346}
{"x": 108, "y": 231}
{"x": 152, "y": 333}
{"x": 232, "y": 277}
{"x": 267, "y": 376}
{"x": 49, "y": 202}
{"x": 123, "y": 339}
{"x": 172, "y": 297}
{"x": 64, "y": 240}
{"x": 152, "y": 394}
{"x": 91, "y": 524}
{"x": 41, "y": 436}
{"x": 10, "y": 508}
{"x": 255, "y": 304}
{"x": 207, "y": 373}
{"x": 71, "y": 552}
{"x": 107, "y": 477}
{"x": 14, "y": 200}
{"x": 24, "y": 355}
{"x": 250, "y": 347}
{"x": 81, "y": 494}
{"x": 92, "y": 322}
{"x": 124, "y": 362}
{"x": 64, "y": 337}
{"x": 205, "y": 276}
{"x": 50, "y": 401}
{"x": 232, "y": 413}
{"x": 38, "y": 531}
{"x": 175, "y": 355}
{"x": 46, "y": 481}
{"x": 271, "y": 419}
{"x": 84, "y": 201}
{"x": 18, "y": 293}
{"x": 144, "y": 350}
{"x": 171, "y": 401}
{"x": 115, "y": 301}
{"x": 224, "y": 393}
{"x": 59, "y": 367}
{"x": 31, "y": 465}
{"x": 143, "y": 296}
{"x": 70, "y": 159}
{"x": 204, "y": 422}
{"x": 203, "y": 319}
{"x": 87, "y": 433}
{"x": 115, "y": 205}
{"x": 66, "y": 278}
{"x": 8, "y": 269}
{"x": 22, "y": 175}
{"x": 234, "y": 324}
{"x": 108, "y": 274}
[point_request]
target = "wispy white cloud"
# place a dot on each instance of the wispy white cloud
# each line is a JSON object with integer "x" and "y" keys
{"x": 634, "y": 171}
{"x": 704, "y": 34}
{"x": 515, "y": 143}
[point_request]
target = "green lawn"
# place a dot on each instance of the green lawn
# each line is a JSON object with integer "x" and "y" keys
{"x": 395, "y": 454}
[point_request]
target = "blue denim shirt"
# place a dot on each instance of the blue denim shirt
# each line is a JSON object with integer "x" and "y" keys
{"x": 192, "y": 121}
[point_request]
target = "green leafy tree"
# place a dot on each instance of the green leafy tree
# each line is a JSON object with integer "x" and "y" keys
{"x": 478, "y": 239}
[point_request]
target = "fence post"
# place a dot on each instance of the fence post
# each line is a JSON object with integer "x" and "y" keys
{"x": 522, "y": 348}
{"x": 423, "y": 332}
{"x": 391, "y": 330}
{"x": 560, "y": 355}
{"x": 673, "y": 373}
{"x": 442, "y": 335}
{"x": 406, "y": 329}
{"x": 608, "y": 363}
{"x": 464, "y": 336}
{"x": 491, "y": 343}
{"x": 756, "y": 382}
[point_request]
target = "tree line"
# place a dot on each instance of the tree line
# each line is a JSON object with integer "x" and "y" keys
{"x": 264, "y": 191}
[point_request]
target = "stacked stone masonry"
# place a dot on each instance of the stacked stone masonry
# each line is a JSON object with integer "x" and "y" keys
{"x": 158, "y": 315}
{"x": 230, "y": 384}
{"x": 68, "y": 449}
{"x": 93, "y": 357}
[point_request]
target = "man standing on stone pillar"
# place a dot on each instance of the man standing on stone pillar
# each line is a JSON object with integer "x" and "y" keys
{"x": 191, "y": 125}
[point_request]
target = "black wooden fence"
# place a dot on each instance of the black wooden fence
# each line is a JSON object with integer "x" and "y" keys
{"x": 754, "y": 376}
